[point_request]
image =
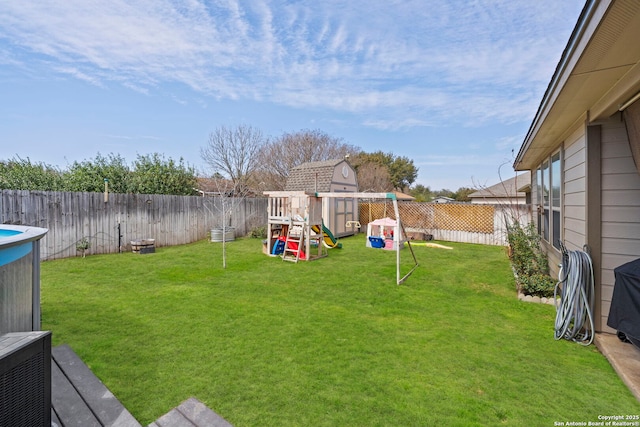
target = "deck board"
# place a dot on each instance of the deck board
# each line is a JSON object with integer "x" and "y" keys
{"x": 55, "y": 421}
{"x": 172, "y": 418}
{"x": 70, "y": 409}
{"x": 76, "y": 391}
{"x": 80, "y": 399}
{"x": 191, "y": 413}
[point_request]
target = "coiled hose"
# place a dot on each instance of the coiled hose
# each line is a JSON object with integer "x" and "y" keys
{"x": 574, "y": 313}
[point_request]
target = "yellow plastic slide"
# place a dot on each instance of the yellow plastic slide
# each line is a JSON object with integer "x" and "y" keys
{"x": 327, "y": 237}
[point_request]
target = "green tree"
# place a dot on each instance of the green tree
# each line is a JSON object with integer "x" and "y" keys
{"x": 462, "y": 195}
{"x": 402, "y": 171}
{"x": 153, "y": 174}
{"x": 421, "y": 193}
{"x": 443, "y": 193}
{"x": 89, "y": 175}
{"x": 22, "y": 174}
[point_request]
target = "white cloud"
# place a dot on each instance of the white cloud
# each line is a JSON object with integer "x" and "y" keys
{"x": 399, "y": 64}
{"x": 75, "y": 73}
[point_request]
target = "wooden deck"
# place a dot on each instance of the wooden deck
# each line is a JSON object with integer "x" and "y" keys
{"x": 80, "y": 399}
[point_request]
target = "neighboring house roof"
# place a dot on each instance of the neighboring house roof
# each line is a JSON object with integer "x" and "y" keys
{"x": 597, "y": 73}
{"x": 222, "y": 187}
{"x": 212, "y": 186}
{"x": 443, "y": 199}
{"x": 509, "y": 189}
{"x": 314, "y": 176}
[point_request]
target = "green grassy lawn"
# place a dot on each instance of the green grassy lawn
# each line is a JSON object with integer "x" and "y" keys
{"x": 333, "y": 342}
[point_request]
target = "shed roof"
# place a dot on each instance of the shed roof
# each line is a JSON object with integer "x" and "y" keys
{"x": 313, "y": 176}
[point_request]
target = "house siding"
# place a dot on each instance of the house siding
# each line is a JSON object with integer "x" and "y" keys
{"x": 596, "y": 77}
{"x": 574, "y": 190}
{"x": 620, "y": 209}
{"x": 573, "y": 198}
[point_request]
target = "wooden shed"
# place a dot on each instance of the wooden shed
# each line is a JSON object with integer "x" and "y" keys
{"x": 335, "y": 176}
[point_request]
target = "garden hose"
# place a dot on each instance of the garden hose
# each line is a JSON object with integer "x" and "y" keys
{"x": 574, "y": 313}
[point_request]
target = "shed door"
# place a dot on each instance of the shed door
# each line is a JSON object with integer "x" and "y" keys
{"x": 344, "y": 210}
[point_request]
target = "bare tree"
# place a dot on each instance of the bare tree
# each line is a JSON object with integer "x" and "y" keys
{"x": 234, "y": 152}
{"x": 282, "y": 154}
{"x": 374, "y": 177}
{"x": 227, "y": 197}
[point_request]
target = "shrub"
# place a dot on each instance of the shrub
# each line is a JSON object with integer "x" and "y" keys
{"x": 83, "y": 245}
{"x": 529, "y": 261}
{"x": 538, "y": 284}
{"x": 258, "y": 232}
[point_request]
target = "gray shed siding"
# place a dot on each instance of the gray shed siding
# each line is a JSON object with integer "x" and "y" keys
{"x": 620, "y": 209}
{"x": 338, "y": 211}
{"x": 327, "y": 176}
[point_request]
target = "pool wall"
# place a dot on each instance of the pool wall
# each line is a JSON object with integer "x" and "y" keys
{"x": 20, "y": 278}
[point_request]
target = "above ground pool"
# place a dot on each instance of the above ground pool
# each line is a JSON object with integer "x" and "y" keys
{"x": 20, "y": 278}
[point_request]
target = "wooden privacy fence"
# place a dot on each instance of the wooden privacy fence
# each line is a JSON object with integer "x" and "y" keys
{"x": 111, "y": 225}
{"x": 452, "y": 222}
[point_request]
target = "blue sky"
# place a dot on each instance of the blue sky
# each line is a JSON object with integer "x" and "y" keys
{"x": 451, "y": 84}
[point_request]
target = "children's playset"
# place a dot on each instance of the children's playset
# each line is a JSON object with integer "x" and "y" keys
{"x": 295, "y": 230}
{"x": 385, "y": 233}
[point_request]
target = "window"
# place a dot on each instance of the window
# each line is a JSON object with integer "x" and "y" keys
{"x": 539, "y": 201}
{"x": 555, "y": 198}
{"x": 544, "y": 184}
{"x": 549, "y": 192}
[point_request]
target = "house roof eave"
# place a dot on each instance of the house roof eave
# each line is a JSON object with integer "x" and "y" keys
{"x": 540, "y": 131}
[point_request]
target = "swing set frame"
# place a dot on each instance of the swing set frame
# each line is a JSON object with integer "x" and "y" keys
{"x": 394, "y": 200}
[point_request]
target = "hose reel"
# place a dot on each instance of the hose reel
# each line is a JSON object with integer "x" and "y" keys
{"x": 574, "y": 312}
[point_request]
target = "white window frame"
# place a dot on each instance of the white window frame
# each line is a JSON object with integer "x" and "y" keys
{"x": 549, "y": 192}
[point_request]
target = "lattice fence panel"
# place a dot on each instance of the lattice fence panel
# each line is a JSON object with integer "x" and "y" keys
{"x": 446, "y": 216}
{"x": 471, "y": 218}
